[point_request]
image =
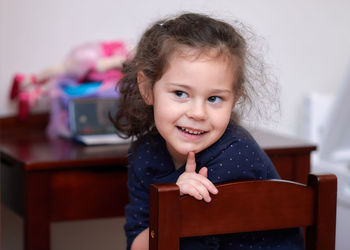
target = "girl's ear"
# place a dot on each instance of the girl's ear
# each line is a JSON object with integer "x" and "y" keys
{"x": 145, "y": 88}
{"x": 239, "y": 93}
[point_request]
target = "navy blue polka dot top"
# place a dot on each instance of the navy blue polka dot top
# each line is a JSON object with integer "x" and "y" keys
{"x": 235, "y": 156}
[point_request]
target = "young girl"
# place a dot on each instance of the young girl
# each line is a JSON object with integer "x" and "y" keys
{"x": 177, "y": 98}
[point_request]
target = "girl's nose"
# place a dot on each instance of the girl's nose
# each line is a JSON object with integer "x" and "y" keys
{"x": 197, "y": 110}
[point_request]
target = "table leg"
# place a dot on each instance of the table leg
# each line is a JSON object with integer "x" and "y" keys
{"x": 301, "y": 173}
{"x": 37, "y": 216}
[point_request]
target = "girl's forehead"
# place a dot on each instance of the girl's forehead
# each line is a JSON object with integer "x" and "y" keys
{"x": 203, "y": 54}
{"x": 207, "y": 54}
{"x": 191, "y": 68}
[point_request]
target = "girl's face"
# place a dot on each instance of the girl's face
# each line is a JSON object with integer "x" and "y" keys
{"x": 192, "y": 103}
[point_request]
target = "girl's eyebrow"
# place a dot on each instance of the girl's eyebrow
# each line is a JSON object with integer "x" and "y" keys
{"x": 222, "y": 91}
{"x": 213, "y": 91}
{"x": 179, "y": 85}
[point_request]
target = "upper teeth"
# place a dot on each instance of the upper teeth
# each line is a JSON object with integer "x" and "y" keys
{"x": 190, "y": 131}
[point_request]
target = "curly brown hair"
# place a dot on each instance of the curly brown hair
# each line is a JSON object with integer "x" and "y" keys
{"x": 190, "y": 30}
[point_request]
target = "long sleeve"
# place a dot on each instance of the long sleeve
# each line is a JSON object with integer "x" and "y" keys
{"x": 149, "y": 162}
{"x": 137, "y": 210}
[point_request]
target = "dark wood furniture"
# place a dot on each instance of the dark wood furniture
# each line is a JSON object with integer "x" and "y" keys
{"x": 54, "y": 179}
{"x": 246, "y": 206}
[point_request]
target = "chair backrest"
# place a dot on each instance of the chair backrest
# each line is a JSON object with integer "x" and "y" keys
{"x": 246, "y": 206}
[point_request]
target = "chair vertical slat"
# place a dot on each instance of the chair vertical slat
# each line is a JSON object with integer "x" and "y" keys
{"x": 321, "y": 235}
{"x": 164, "y": 219}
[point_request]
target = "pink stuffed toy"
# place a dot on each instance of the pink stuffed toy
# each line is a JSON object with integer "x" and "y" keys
{"x": 89, "y": 62}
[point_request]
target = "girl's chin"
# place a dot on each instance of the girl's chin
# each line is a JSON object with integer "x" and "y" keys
{"x": 185, "y": 151}
{"x": 181, "y": 151}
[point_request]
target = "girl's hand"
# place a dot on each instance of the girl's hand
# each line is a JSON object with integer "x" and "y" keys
{"x": 196, "y": 185}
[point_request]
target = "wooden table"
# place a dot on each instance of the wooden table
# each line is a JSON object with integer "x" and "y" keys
{"x": 47, "y": 180}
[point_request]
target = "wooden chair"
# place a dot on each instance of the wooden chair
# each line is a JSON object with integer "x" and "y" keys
{"x": 247, "y": 206}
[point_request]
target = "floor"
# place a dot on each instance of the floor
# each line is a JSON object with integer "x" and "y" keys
{"x": 101, "y": 234}
{"x": 343, "y": 226}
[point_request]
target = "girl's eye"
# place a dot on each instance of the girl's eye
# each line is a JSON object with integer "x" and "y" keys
{"x": 214, "y": 99}
{"x": 180, "y": 94}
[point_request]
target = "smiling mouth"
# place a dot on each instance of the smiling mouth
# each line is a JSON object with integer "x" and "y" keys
{"x": 192, "y": 131}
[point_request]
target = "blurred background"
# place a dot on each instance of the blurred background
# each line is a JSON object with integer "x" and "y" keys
{"x": 306, "y": 44}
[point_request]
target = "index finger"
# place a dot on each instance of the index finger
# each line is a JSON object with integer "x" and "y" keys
{"x": 190, "y": 163}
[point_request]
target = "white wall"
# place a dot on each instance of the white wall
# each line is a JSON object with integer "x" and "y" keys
{"x": 308, "y": 41}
